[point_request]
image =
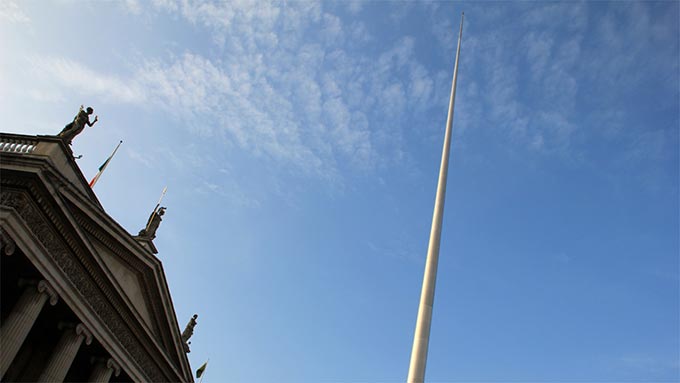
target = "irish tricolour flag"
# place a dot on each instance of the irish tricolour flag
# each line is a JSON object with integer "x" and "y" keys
{"x": 104, "y": 165}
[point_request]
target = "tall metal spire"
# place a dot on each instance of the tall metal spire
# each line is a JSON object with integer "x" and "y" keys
{"x": 421, "y": 339}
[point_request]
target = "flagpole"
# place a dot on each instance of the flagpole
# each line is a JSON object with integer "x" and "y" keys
{"x": 165, "y": 189}
{"x": 421, "y": 338}
{"x": 104, "y": 165}
{"x": 203, "y": 374}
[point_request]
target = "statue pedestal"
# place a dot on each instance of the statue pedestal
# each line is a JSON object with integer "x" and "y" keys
{"x": 146, "y": 243}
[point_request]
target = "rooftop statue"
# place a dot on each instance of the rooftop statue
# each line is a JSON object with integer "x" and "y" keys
{"x": 188, "y": 332}
{"x": 152, "y": 224}
{"x": 72, "y": 129}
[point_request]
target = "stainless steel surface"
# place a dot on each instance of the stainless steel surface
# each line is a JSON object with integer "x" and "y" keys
{"x": 421, "y": 339}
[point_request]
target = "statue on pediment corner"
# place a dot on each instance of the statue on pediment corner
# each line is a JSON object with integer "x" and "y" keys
{"x": 188, "y": 332}
{"x": 153, "y": 223}
{"x": 74, "y": 128}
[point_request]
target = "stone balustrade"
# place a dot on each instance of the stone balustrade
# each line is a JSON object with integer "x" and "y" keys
{"x": 17, "y": 144}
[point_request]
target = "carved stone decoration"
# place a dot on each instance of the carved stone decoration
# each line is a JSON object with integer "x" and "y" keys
{"x": 82, "y": 330}
{"x": 102, "y": 370}
{"x": 113, "y": 366}
{"x": 45, "y": 288}
{"x": 7, "y": 245}
{"x": 146, "y": 274}
{"x": 81, "y": 280}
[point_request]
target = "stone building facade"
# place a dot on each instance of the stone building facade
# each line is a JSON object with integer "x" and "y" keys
{"x": 81, "y": 299}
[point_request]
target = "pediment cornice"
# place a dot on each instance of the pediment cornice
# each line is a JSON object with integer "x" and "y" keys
{"x": 64, "y": 219}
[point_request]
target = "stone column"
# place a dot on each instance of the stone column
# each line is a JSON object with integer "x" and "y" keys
{"x": 103, "y": 369}
{"x": 20, "y": 321}
{"x": 63, "y": 355}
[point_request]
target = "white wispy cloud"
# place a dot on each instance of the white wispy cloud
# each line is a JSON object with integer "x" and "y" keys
{"x": 572, "y": 76}
{"x": 133, "y": 6}
{"x": 539, "y": 49}
{"x": 229, "y": 193}
{"x": 12, "y": 13}
{"x": 292, "y": 84}
{"x": 529, "y": 81}
{"x": 43, "y": 95}
{"x": 59, "y": 71}
{"x": 144, "y": 158}
{"x": 354, "y": 6}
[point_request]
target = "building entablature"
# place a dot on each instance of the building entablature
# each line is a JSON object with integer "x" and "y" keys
{"x": 106, "y": 281}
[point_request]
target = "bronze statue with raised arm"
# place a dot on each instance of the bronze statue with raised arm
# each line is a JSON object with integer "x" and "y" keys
{"x": 72, "y": 129}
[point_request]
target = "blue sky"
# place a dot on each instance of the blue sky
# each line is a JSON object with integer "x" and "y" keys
{"x": 300, "y": 144}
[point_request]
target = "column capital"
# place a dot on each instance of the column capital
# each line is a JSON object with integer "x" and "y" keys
{"x": 7, "y": 243}
{"x": 103, "y": 368}
{"x": 79, "y": 328}
{"x": 114, "y": 366}
{"x": 18, "y": 324}
{"x": 65, "y": 352}
{"x": 82, "y": 330}
{"x": 45, "y": 288}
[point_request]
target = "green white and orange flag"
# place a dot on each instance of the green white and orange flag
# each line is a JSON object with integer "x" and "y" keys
{"x": 104, "y": 165}
{"x": 201, "y": 369}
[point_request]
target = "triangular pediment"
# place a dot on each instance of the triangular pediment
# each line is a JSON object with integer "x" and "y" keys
{"x": 132, "y": 271}
{"x": 129, "y": 279}
{"x": 114, "y": 281}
